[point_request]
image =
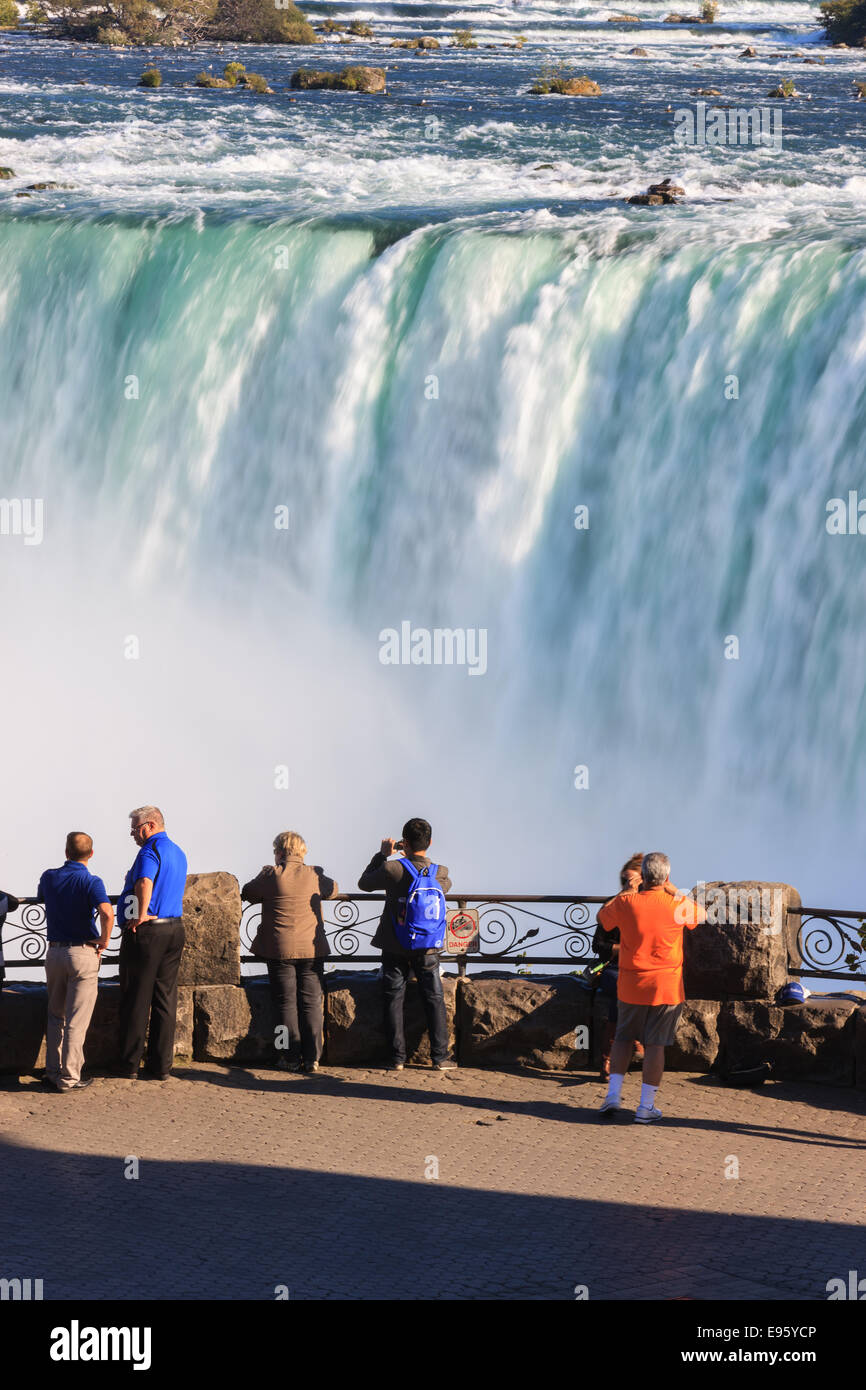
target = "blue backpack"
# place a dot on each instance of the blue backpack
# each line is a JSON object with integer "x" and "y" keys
{"x": 420, "y": 917}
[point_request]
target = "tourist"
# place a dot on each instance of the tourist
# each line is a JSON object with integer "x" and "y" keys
{"x": 650, "y": 984}
{"x": 606, "y": 946}
{"x": 401, "y": 879}
{"x": 291, "y": 941}
{"x": 150, "y": 914}
{"x": 74, "y": 899}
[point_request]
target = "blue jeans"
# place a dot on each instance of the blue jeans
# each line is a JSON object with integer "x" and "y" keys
{"x": 425, "y": 967}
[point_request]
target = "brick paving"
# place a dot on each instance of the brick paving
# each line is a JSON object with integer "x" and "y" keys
{"x": 250, "y": 1179}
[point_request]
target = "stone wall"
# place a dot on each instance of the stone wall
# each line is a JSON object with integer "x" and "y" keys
{"x": 495, "y": 1019}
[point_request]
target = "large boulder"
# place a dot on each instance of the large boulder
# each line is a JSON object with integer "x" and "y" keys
{"x": 355, "y": 1019}
{"x": 697, "y": 1042}
{"x": 814, "y": 1041}
{"x": 578, "y": 87}
{"x": 745, "y": 948}
{"x": 234, "y": 1023}
{"x": 353, "y": 79}
{"x": 211, "y": 919}
{"x": 508, "y": 1020}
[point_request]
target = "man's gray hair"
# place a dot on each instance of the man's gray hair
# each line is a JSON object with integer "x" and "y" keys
{"x": 143, "y": 813}
{"x": 656, "y": 867}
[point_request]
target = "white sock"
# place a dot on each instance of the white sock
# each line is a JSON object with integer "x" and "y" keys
{"x": 648, "y": 1096}
{"x": 614, "y": 1085}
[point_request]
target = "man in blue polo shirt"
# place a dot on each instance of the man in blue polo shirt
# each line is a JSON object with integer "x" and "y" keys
{"x": 74, "y": 898}
{"x": 150, "y": 913}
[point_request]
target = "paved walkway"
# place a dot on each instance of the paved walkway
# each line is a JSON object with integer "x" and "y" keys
{"x": 251, "y": 1179}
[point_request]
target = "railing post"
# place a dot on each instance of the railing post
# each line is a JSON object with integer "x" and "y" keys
{"x": 461, "y": 960}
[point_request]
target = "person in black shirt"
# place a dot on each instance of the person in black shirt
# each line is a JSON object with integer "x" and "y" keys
{"x": 605, "y": 945}
{"x": 398, "y": 963}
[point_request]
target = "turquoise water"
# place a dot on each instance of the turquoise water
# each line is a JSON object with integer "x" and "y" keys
{"x": 391, "y": 316}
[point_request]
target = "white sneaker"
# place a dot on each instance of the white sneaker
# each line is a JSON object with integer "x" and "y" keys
{"x": 609, "y": 1104}
{"x": 645, "y": 1114}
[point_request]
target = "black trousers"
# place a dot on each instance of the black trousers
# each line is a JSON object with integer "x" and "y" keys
{"x": 424, "y": 965}
{"x": 296, "y": 989}
{"x": 149, "y": 961}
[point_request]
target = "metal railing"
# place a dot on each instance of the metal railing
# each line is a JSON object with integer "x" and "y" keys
{"x": 823, "y": 936}
{"x": 513, "y": 929}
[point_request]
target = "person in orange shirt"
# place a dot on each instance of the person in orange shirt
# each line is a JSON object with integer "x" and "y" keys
{"x": 650, "y": 992}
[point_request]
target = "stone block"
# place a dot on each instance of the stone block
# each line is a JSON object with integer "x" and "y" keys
{"x": 860, "y": 1048}
{"x": 22, "y": 1027}
{"x": 697, "y": 1042}
{"x": 234, "y": 1023}
{"x": 814, "y": 1041}
{"x": 512, "y": 1020}
{"x": 211, "y": 919}
{"x": 355, "y": 1024}
{"x": 747, "y": 945}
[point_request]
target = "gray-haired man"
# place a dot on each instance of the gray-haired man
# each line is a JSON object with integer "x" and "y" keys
{"x": 650, "y": 991}
{"x": 150, "y": 914}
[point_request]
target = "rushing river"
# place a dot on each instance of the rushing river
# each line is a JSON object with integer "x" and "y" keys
{"x": 429, "y": 326}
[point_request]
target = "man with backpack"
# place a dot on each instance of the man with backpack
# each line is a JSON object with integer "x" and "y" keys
{"x": 411, "y": 934}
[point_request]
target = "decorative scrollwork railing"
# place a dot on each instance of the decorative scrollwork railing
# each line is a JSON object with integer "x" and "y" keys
{"x": 510, "y": 928}
{"x": 828, "y": 939}
{"x": 24, "y": 940}
{"x": 514, "y": 929}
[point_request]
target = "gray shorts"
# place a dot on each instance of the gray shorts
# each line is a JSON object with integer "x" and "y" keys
{"x": 654, "y": 1025}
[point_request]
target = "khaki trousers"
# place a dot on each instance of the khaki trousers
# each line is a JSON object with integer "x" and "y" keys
{"x": 72, "y": 975}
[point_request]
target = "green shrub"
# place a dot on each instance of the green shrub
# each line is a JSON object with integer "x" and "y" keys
{"x": 552, "y": 78}
{"x": 8, "y": 14}
{"x": 360, "y": 29}
{"x": 256, "y": 82}
{"x": 111, "y": 35}
{"x": 263, "y": 21}
{"x": 151, "y": 77}
{"x": 331, "y": 26}
{"x": 844, "y": 21}
{"x": 232, "y": 72}
{"x": 709, "y": 10}
{"x": 463, "y": 38}
{"x": 35, "y": 13}
{"x": 205, "y": 79}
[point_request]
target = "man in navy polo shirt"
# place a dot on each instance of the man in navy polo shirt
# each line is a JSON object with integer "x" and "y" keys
{"x": 150, "y": 913}
{"x": 73, "y": 898}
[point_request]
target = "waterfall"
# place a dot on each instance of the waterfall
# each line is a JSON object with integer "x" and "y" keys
{"x": 431, "y": 404}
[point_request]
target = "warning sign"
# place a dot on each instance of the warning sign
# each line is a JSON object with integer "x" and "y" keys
{"x": 461, "y": 931}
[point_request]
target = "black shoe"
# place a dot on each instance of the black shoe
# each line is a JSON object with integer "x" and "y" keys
{"x": 148, "y": 1075}
{"x": 48, "y": 1083}
{"x": 81, "y": 1085}
{"x": 124, "y": 1074}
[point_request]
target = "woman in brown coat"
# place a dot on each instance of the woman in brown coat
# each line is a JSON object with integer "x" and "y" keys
{"x": 291, "y": 940}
